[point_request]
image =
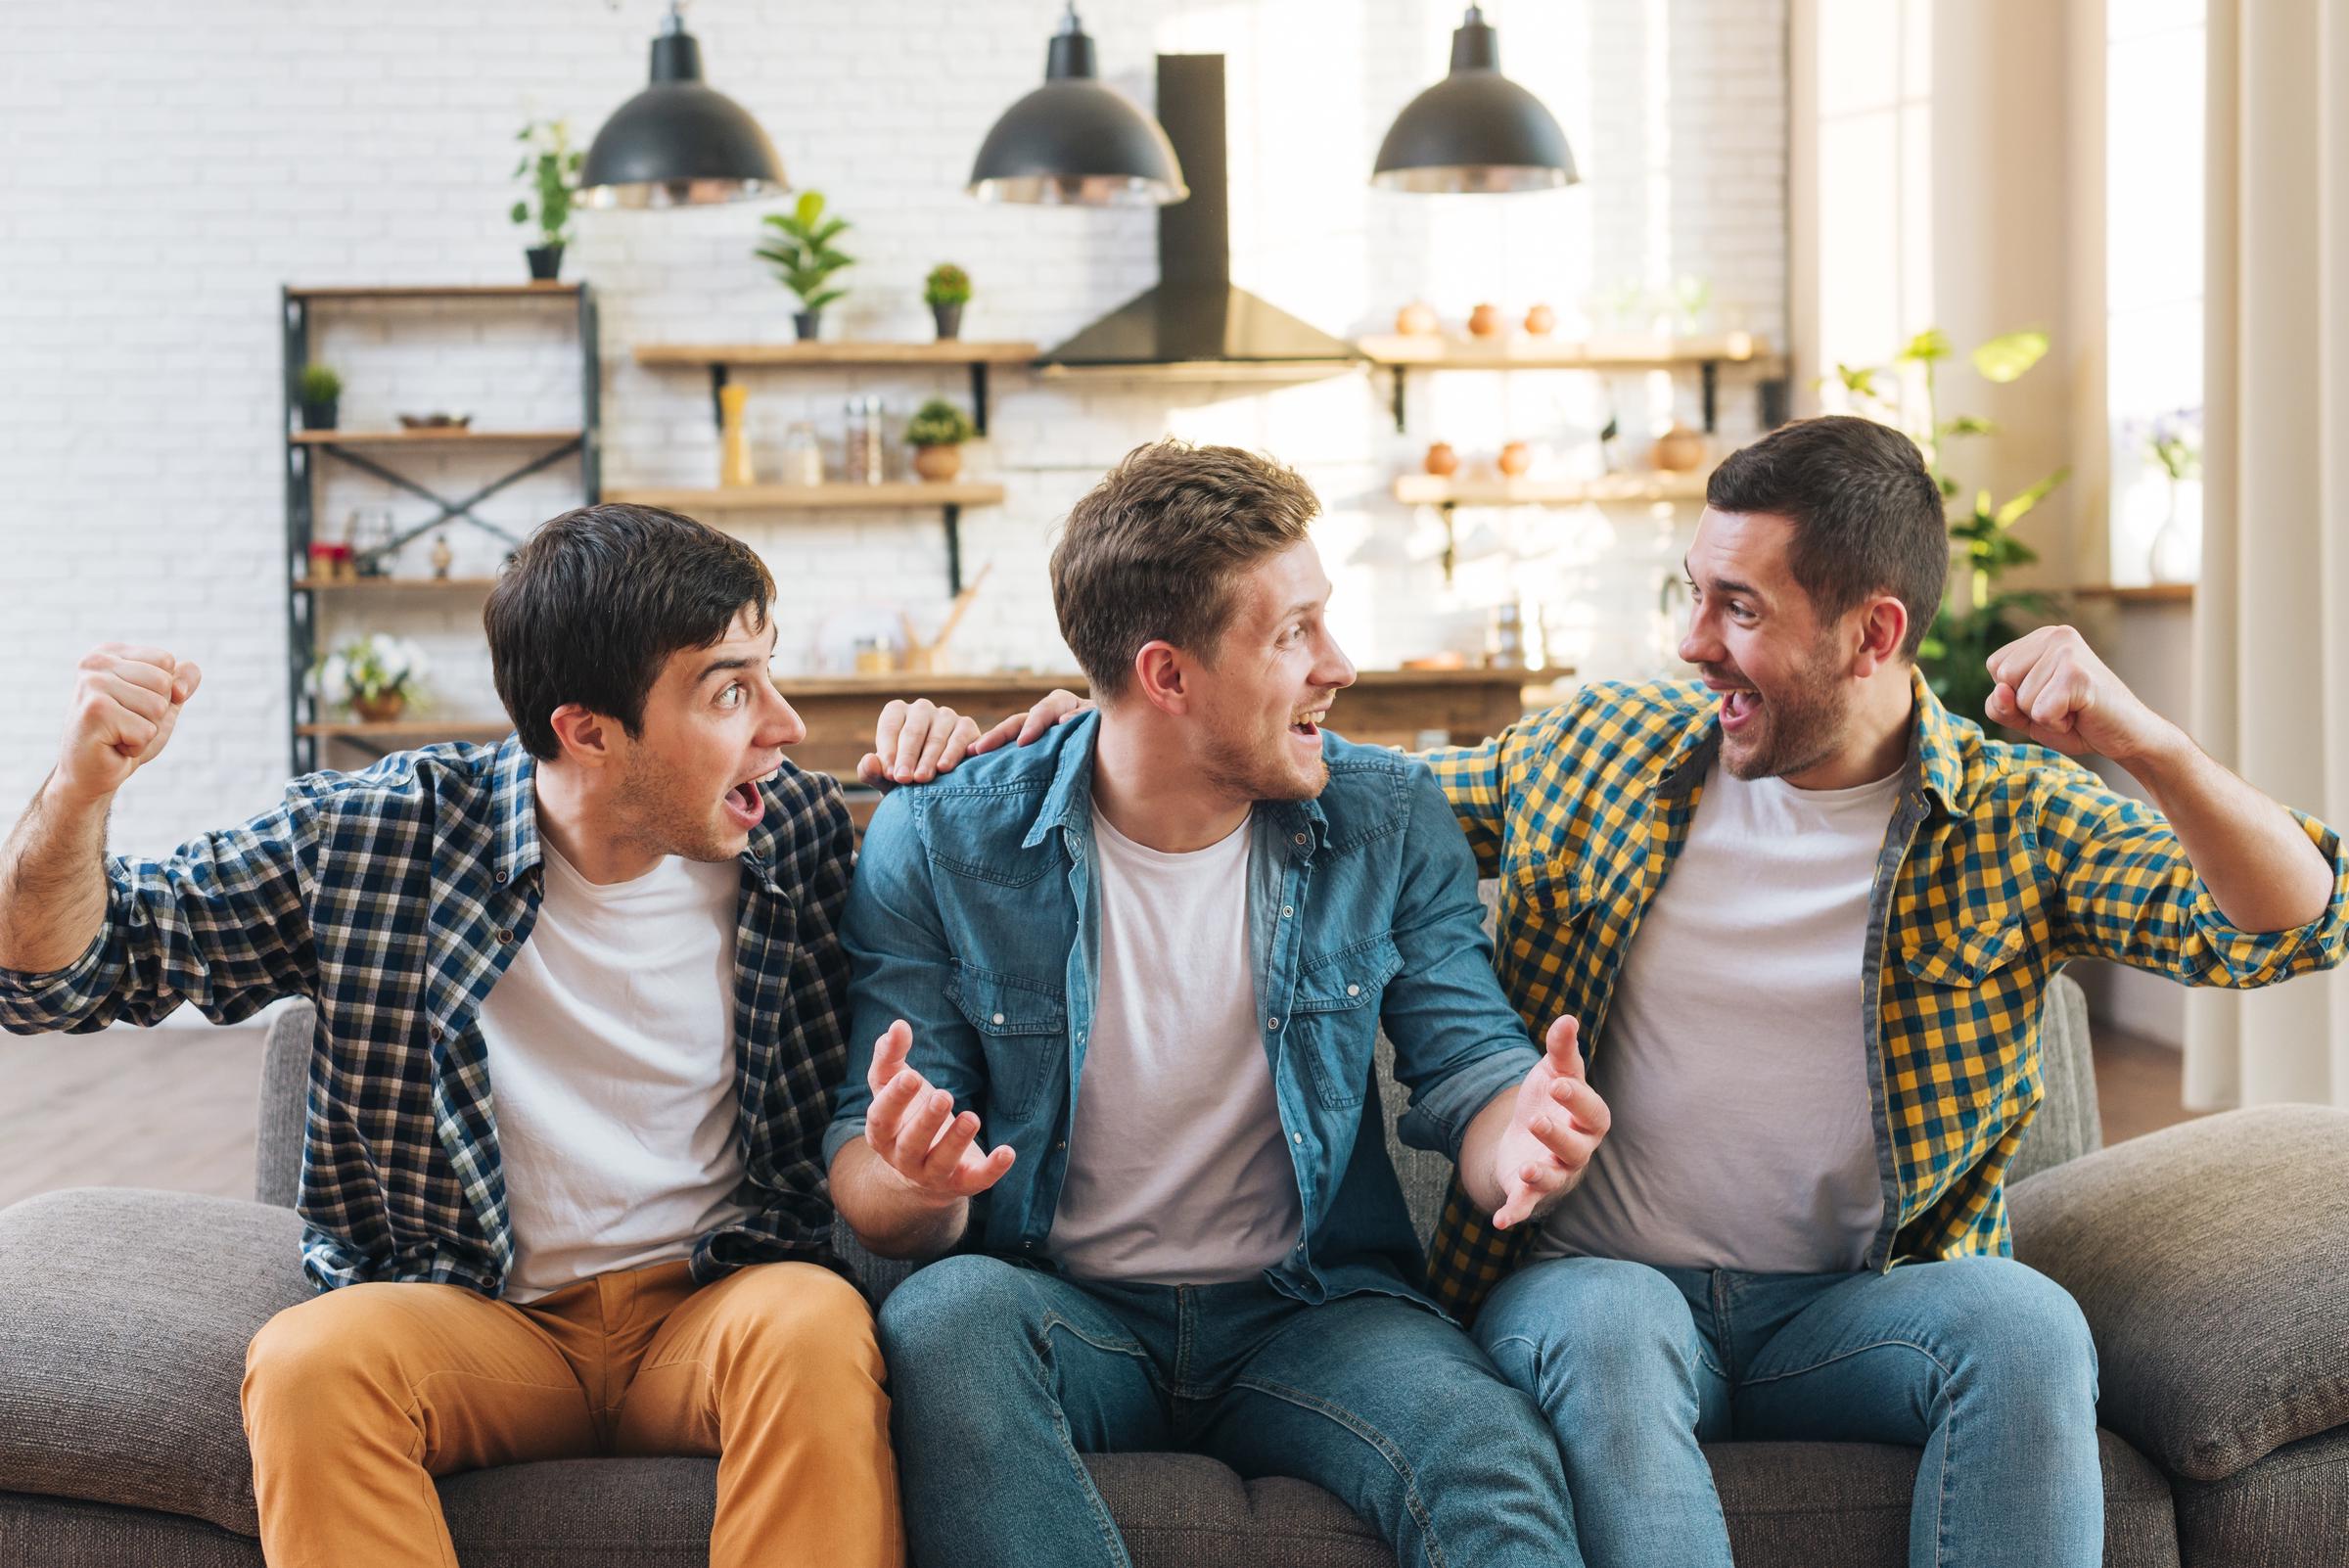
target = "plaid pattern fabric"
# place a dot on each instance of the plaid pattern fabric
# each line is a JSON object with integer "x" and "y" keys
{"x": 2002, "y": 861}
{"x": 394, "y": 899}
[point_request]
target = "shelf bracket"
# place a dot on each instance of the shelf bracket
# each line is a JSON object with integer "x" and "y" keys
{"x": 452, "y": 510}
{"x": 1712, "y": 374}
{"x": 717, "y": 396}
{"x": 1451, "y": 541}
{"x": 1400, "y": 375}
{"x": 979, "y": 395}
{"x": 954, "y": 512}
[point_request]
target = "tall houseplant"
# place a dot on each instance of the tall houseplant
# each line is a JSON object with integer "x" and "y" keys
{"x": 1965, "y": 631}
{"x": 802, "y": 257}
{"x": 552, "y": 164}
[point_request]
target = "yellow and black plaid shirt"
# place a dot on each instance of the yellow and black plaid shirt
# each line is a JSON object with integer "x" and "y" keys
{"x": 2002, "y": 862}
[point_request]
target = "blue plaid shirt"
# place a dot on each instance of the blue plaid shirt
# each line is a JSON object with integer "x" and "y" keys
{"x": 394, "y": 898}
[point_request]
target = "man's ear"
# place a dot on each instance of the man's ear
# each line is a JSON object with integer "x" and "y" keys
{"x": 1162, "y": 675}
{"x": 1883, "y": 627}
{"x": 588, "y": 739}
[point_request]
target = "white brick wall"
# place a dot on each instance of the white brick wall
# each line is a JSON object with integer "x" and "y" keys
{"x": 170, "y": 165}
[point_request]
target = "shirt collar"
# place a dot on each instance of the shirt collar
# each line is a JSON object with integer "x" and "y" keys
{"x": 1068, "y": 806}
{"x": 514, "y": 807}
{"x": 1937, "y": 747}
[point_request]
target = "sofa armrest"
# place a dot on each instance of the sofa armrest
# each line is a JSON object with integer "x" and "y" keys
{"x": 2207, "y": 1259}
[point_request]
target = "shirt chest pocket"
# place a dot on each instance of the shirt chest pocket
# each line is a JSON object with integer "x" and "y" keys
{"x": 1023, "y": 1027}
{"x": 1971, "y": 995}
{"x": 1334, "y": 1018}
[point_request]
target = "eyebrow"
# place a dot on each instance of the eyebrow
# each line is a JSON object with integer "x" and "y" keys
{"x": 1722, "y": 584}
{"x": 716, "y": 666}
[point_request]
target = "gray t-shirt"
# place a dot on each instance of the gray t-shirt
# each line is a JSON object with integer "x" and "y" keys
{"x": 1733, "y": 1059}
{"x": 1178, "y": 1169}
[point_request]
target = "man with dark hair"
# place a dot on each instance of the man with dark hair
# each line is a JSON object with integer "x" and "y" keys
{"x": 622, "y": 920}
{"x": 1807, "y": 917}
{"x": 1151, "y": 957}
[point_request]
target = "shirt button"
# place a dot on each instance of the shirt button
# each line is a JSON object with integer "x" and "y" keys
{"x": 998, "y": 1018}
{"x": 1026, "y": 1246}
{"x": 1286, "y": 910}
{"x": 1271, "y": 1022}
{"x": 1298, "y": 839}
{"x": 1353, "y": 990}
{"x": 505, "y": 935}
{"x": 1062, "y": 1144}
{"x": 1296, "y": 1138}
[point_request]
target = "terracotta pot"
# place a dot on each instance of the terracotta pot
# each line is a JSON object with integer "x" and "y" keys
{"x": 1679, "y": 449}
{"x": 1540, "y": 320}
{"x": 1485, "y": 321}
{"x": 1441, "y": 461}
{"x": 937, "y": 463}
{"x": 1516, "y": 458}
{"x": 1416, "y": 319}
{"x": 380, "y": 710}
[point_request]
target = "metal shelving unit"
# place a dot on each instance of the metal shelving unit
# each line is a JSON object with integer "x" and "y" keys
{"x": 306, "y": 450}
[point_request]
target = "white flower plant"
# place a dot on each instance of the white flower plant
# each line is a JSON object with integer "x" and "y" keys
{"x": 370, "y": 670}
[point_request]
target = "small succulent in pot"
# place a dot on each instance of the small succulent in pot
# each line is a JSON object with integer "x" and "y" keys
{"x": 935, "y": 432}
{"x": 947, "y": 290}
{"x": 319, "y": 391}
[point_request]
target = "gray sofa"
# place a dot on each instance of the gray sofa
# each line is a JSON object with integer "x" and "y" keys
{"x": 2208, "y": 1257}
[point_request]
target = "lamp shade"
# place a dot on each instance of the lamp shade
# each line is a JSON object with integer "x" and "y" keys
{"x": 1075, "y": 141}
{"x": 679, "y": 142}
{"x": 1475, "y": 131}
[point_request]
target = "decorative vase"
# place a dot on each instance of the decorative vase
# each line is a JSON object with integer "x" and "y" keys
{"x": 1485, "y": 321}
{"x": 1679, "y": 449}
{"x": 442, "y": 557}
{"x": 381, "y": 709}
{"x": 320, "y": 416}
{"x": 546, "y": 262}
{"x": 1416, "y": 320}
{"x": 1441, "y": 461}
{"x": 1515, "y": 458}
{"x": 806, "y": 323}
{"x": 948, "y": 318}
{"x": 937, "y": 463}
{"x": 2176, "y": 552}
{"x": 1540, "y": 320}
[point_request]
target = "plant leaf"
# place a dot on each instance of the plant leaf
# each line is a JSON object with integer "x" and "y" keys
{"x": 2004, "y": 358}
{"x": 2016, "y": 508}
{"x": 1926, "y": 347}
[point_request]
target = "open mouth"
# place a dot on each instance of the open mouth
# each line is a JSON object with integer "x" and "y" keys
{"x": 1738, "y": 704}
{"x": 1307, "y": 728}
{"x": 744, "y": 803}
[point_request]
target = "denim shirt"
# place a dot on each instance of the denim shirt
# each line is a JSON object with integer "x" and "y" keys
{"x": 975, "y": 916}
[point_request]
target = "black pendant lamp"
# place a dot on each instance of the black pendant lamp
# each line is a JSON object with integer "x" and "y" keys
{"x": 1075, "y": 141}
{"x": 1475, "y": 131}
{"x": 679, "y": 142}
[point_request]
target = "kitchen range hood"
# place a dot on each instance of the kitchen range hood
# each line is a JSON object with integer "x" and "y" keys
{"x": 1194, "y": 324}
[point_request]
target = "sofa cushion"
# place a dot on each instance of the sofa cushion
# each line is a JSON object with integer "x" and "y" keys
{"x": 2289, "y": 1510}
{"x": 124, "y": 1321}
{"x": 2206, "y": 1258}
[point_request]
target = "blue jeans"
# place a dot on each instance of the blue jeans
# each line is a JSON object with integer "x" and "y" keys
{"x": 1001, "y": 1376}
{"x": 1982, "y": 1362}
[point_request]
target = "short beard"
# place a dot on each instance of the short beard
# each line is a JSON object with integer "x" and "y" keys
{"x": 648, "y": 806}
{"x": 1255, "y": 777}
{"x": 1804, "y": 730}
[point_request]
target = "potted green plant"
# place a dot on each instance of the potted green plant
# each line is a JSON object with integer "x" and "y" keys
{"x": 804, "y": 258}
{"x": 1967, "y": 632}
{"x": 947, "y": 290}
{"x": 318, "y": 389}
{"x": 935, "y": 432}
{"x": 377, "y": 676}
{"x": 551, "y": 165}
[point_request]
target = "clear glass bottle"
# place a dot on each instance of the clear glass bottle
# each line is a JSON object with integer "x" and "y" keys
{"x": 803, "y": 455}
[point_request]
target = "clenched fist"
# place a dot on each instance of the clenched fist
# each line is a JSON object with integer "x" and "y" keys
{"x": 126, "y": 702}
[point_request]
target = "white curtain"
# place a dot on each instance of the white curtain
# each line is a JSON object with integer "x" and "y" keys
{"x": 2271, "y": 617}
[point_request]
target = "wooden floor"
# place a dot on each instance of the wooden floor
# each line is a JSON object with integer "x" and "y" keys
{"x": 173, "y": 1108}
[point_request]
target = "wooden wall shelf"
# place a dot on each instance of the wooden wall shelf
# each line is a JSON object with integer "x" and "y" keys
{"x": 430, "y": 438}
{"x": 2139, "y": 593}
{"x": 1525, "y": 351}
{"x": 810, "y": 497}
{"x": 396, "y": 584}
{"x": 1430, "y": 490}
{"x": 949, "y": 351}
{"x": 448, "y": 291}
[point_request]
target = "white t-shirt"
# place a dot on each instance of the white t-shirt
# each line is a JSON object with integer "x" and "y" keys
{"x": 1178, "y": 1169}
{"x": 611, "y": 1050}
{"x": 1734, "y": 1054}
